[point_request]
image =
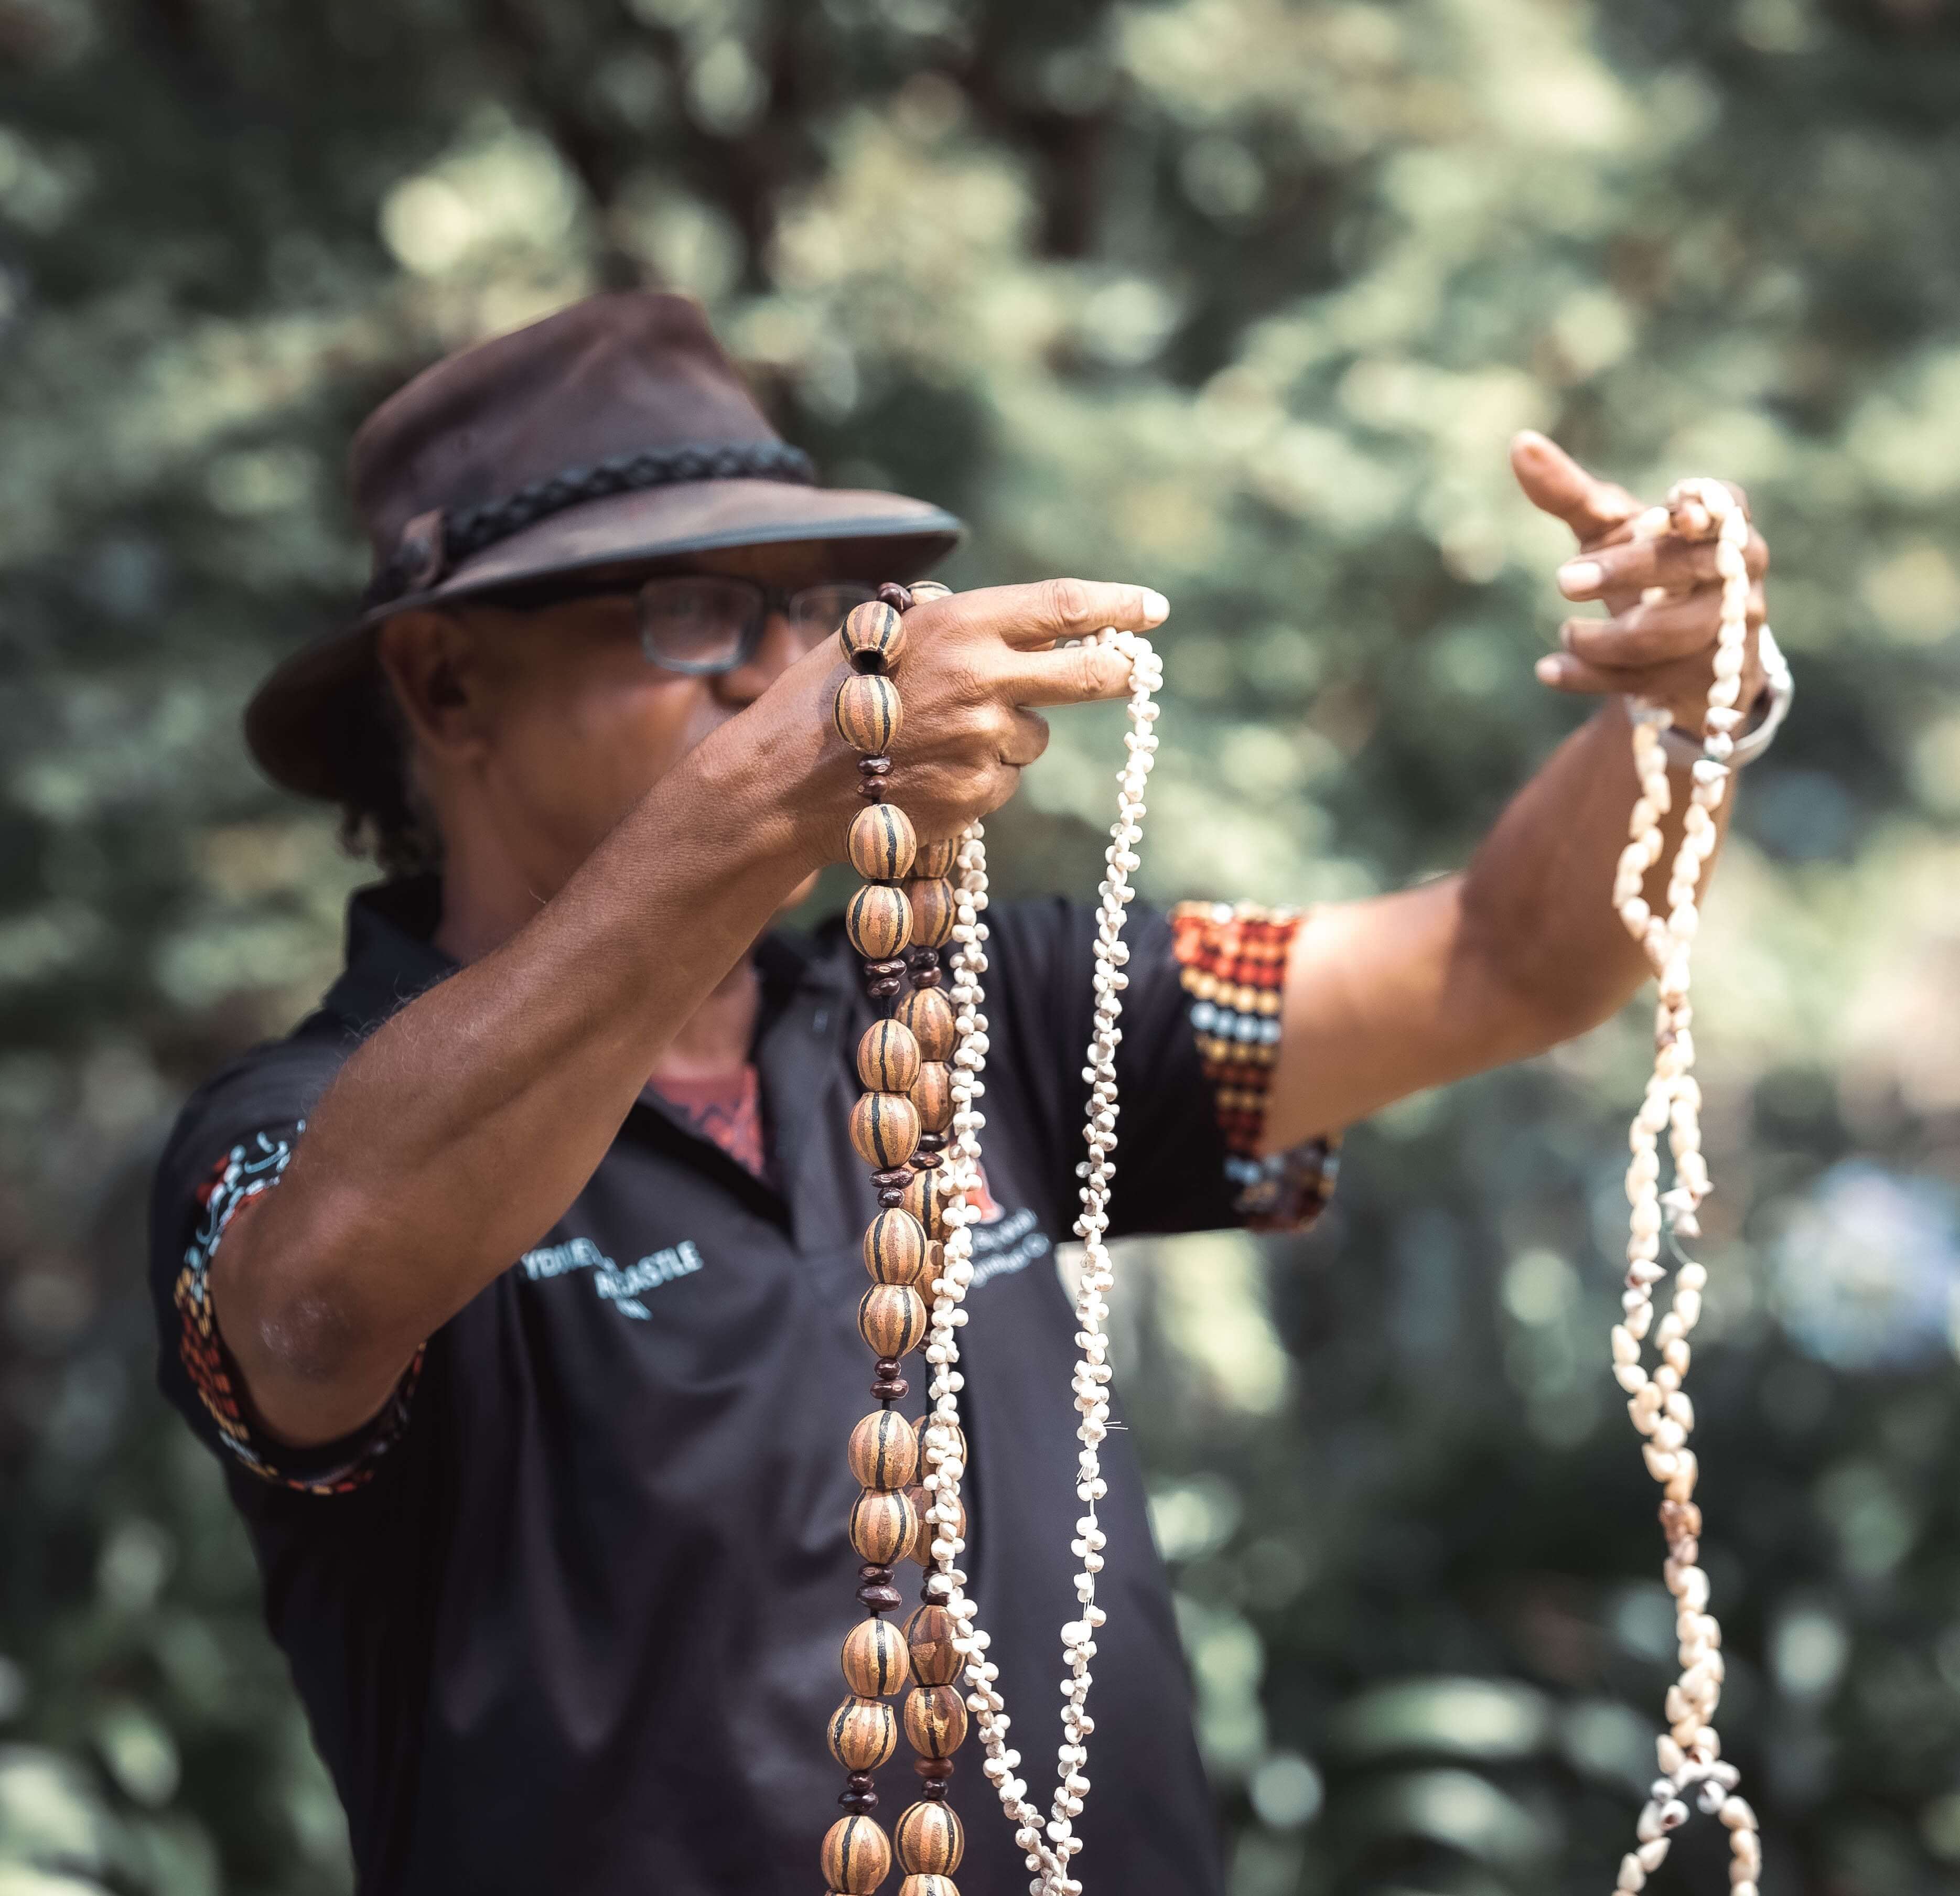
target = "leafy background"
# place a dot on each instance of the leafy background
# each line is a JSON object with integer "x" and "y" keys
{"x": 1241, "y": 298}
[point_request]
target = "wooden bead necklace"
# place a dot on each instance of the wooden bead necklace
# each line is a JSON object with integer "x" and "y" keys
{"x": 1690, "y": 1752}
{"x": 917, "y": 1126}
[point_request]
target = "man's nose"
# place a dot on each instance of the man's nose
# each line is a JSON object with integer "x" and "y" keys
{"x": 775, "y": 652}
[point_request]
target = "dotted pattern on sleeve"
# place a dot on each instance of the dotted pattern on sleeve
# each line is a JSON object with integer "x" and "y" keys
{"x": 238, "y": 1181}
{"x": 1232, "y": 959}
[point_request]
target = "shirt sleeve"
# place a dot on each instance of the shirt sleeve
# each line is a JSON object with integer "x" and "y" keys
{"x": 1232, "y": 964}
{"x": 231, "y": 1148}
{"x": 1192, "y": 1104}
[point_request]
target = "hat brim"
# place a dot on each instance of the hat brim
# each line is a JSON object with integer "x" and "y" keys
{"x": 310, "y": 725}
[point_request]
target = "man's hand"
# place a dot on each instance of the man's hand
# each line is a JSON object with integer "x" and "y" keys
{"x": 976, "y": 668}
{"x": 1663, "y": 594}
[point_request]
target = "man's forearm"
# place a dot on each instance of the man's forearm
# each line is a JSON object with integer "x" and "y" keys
{"x": 1536, "y": 913}
{"x": 456, "y": 1135}
{"x": 1520, "y": 951}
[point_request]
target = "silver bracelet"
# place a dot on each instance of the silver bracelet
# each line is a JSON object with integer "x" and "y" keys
{"x": 1780, "y": 687}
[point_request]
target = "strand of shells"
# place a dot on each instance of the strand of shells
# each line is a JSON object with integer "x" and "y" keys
{"x": 1050, "y": 1845}
{"x": 1689, "y": 1753}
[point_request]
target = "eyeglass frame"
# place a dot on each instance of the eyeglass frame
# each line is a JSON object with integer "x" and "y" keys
{"x": 773, "y": 599}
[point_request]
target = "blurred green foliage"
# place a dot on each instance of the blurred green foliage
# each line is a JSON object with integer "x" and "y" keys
{"x": 1240, "y": 298}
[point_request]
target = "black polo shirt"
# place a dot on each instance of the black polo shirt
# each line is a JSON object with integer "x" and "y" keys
{"x": 566, "y": 1617}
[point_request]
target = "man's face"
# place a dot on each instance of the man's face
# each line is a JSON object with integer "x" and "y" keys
{"x": 542, "y": 728}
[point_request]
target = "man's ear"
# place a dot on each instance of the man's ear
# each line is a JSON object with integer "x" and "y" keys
{"x": 430, "y": 661}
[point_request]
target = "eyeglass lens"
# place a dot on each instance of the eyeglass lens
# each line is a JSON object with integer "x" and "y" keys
{"x": 708, "y": 624}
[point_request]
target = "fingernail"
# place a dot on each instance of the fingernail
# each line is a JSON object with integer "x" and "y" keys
{"x": 1156, "y": 608}
{"x": 1548, "y": 669}
{"x": 1578, "y": 578}
{"x": 1565, "y": 633}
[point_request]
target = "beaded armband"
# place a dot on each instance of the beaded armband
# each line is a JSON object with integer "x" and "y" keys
{"x": 1232, "y": 960}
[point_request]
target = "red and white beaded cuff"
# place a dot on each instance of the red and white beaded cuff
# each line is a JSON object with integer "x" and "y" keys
{"x": 1232, "y": 960}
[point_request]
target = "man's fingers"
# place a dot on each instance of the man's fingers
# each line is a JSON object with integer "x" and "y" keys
{"x": 1028, "y": 617}
{"x": 1677, "y": 564}
{"x": 1671, "y": 628}
{"x": 1556, "y": 484}
{"x": 1075, "y": 675}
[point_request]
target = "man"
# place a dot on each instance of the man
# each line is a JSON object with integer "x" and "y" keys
{"x": 533, "y": 1375}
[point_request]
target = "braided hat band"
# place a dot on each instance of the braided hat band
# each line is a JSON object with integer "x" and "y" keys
{"x": 432, "y": 544}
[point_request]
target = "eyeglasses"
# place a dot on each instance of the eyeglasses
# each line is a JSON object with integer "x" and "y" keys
{"x": 704, "y": 625}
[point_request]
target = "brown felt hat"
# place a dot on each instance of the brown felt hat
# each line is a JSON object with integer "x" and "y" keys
{"x": 613, "y": 440}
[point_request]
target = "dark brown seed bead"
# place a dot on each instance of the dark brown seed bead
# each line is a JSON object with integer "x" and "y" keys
{"x": 876, "y": 1663}
{"x": 932, "y": 1094}
{"x": 883, "y": 1525}
{"x": 879, "y": 920}
{"x": 891, "y": 965}
{"x": 881, "y": 843}
{"x": 895, "y": 1248}
{"x": 857, "y": 1857}
{"x": 929, "y": 1636}
{"x": 880, "y": 1596}
{"x": 884, "y": 1129}
{"x": 873, "y": 791}
{"x": 864, "y": 1733}
{"x": 868, "y": 713}
{"x": 891, "y": 1198}
{"x": 888, "y": 1057}
{"x": 874, "y": 767}
{"x": 929, "y": 1839}
{"x": 889, "y": 1388}
{"x": 886, "y": 1177}
{"x": 927, "y": 1199}
{"x": 929, "y": 1014}
{"x": 891, "y": 1318}
{"x": 874, "y": 636}
{"x": 883, "y": 1453}
{"x": 935, "y": 1720}
{"x": 935, "y": 1771}
{"x": 887, "y": 988}
{"x": 859, "y": 1803}
{"x": 936, "y": 859}
{"x": 930, "y": 1142}
{"x": 932, "y": 905}
{"x": 899, "y": 598}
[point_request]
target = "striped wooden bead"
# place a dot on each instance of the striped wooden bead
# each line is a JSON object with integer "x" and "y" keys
{"x": 872, "y": 636}
{"x": 929, "y": 1636}
{"x": 882, "y": 1451}
{"x": 895, "y": 1249}
{"x": 932, "y": 902}
{"x": 876, "y": 1662}
{"x": 936, "y": 859}
{"x": 868, "y": 714}
{"x": 935, "y": 1720}
{"x": 857, "y": 1857}
{"x": 891, "y": 1318}
{"x": 881, "y": 844}
{"x": 888, "y": 1057}
{"x": 883, "y": 1526}
{"x": 864, "y": 1733}
{"x": 927, "y": 1196}
{"x": 930, "y": 1840}
{"x": 928, "y": 1886}
{"x": 879, "y": 920}
{"x": 884, "y": 1129}
{"x": 932, "y": 1094}
{"x": 929, "y": 1014}
{"x": 920, "y": 1549}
